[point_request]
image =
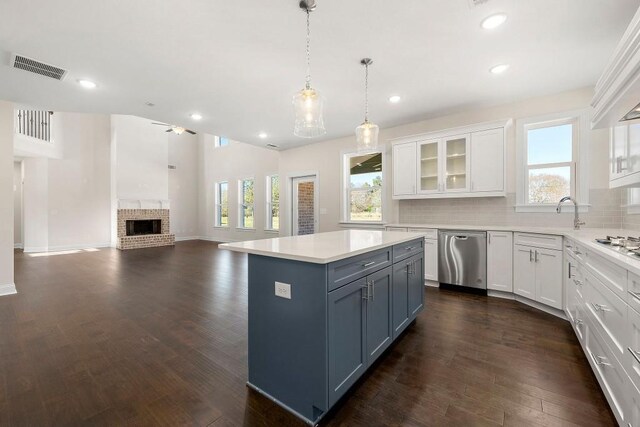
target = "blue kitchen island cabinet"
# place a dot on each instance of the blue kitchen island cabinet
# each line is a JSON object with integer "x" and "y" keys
{"x": 323, "y": 308}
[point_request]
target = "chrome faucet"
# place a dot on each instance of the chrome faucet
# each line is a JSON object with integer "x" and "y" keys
{"x": 576, "y": 221}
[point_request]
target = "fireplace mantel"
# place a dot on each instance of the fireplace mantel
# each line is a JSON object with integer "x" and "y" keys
{"x": 143, "y": 204}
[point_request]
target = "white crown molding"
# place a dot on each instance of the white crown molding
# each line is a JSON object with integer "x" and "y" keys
{"x": 476, "y": 127}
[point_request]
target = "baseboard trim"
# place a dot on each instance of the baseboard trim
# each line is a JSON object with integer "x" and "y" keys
{"x": 9, "y": 289}
{"x": 184, "y": 239}
{"x": 29, "y": 250}
{"x": 18, "y": 246}
{"x": 431, "y": 283}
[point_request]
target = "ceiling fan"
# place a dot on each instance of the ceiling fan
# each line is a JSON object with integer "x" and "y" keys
{"x": 178, "y": 130}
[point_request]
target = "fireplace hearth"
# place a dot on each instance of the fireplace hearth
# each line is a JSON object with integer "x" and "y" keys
{"x": 143, "y": 228}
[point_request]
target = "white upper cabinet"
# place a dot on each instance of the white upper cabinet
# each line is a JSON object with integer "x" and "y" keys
{"x": 460, "y": 162}
{"x": 487, "y": 149}
{"x": 624, "y": 155}
{"x": 429, "y": 159}
{"x": 404, "y": 169}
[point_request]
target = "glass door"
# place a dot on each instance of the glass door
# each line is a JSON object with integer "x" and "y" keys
{"x": 304, "y": 198}
{"x": 429, "y": 166}
{"x": 456, "y": 151}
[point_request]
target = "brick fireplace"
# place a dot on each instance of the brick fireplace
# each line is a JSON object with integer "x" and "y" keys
{"x": 144, "y": 228}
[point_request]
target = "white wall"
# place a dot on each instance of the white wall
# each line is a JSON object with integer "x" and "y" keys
{"x": 35, "y": 205}
{"x": 325, "y": 157}
{"x": 141, "y": 156}
{"x": 6, "y": 196}
{"x": 79, "y": 183}
{"x": 231, "y": 163}
{"x": 17, "y": 204}
{"x": 183, "y": 185}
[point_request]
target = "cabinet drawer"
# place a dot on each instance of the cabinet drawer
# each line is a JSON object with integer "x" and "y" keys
{"x": 632, "y": 355}
{"x": 609, "y": 372}
{"x": 609, "y": 313}
{"x": 429, "y": 233}
{"x": 408, "y": 249}
{"x": 347, "y": 270}
{"x": 579, "y": 322}
{"x": 575, "y": 249}
{"x": 613, "y": 276}
{"x": 544, "y": 241}
{"x": 633, "y": 292}
{"x": 396, "y": 229}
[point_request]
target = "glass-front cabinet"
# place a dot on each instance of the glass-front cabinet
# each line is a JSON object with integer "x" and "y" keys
{"x": 429, "y": 165}
{"x": 444, "y": 165}
{"x": 456, "y": 169}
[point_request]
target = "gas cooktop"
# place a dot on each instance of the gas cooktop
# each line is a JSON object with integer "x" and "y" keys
{"x": 624, "y": 245}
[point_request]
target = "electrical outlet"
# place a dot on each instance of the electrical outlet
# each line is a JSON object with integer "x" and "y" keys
{"x": 283, "y": 290}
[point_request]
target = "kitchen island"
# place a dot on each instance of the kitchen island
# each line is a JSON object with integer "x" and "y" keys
{"x": 324, "y": 307}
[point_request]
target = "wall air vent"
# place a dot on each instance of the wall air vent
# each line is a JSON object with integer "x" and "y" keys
{"x": 37, "y": 67}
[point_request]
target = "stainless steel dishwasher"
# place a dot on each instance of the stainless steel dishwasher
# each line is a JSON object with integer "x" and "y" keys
{"x": 462, "y": 258}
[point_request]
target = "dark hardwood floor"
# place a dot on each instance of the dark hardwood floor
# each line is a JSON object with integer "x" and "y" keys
{"x": 158, "y": 337}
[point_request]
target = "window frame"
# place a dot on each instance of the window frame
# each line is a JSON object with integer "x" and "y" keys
{"x": 579, "y": 164}
{"x": 217, "y": 141}
{"x": 270, "y": 202}
{"x": 242, "y": 206}
{"x": 345, "y": 199}
{"x": 218, "y": 205}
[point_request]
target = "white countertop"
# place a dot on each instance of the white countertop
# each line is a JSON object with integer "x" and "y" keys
{"x": 585, "y": 236}
{"x": 323, "y": 248}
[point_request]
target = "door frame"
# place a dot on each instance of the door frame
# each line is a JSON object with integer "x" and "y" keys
{"x": 316, "y": 198}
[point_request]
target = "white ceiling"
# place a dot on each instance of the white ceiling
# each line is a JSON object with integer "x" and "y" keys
{"x": 239, "y": 63}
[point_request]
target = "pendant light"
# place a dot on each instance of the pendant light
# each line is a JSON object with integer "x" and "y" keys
{"x": 308, "y": 103}
{"x": 367, "y": 132}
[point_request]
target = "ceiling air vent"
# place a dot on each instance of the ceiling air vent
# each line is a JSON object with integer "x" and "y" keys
{"x": 37, "y": 67}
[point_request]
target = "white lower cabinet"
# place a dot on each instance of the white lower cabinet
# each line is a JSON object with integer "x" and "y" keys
{"x": 633, "y": 411}
{"x": 538, "y": 274}
{"x": 431, "y": 260}
{"x": 500, "y": 261}
{"x": 632, "y": 350}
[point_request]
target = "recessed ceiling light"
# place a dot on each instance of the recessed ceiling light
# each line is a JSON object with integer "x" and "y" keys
{"x": 499, "y": 69}
{"x": 196, "y": 116}
{"x": 87, "y": 84}
{"x": 493, "y": 21}
{"x": 394, "y": 99}
{"x": 262, "y": 135}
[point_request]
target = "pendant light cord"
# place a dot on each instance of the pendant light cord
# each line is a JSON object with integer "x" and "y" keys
{"x": 366, "y": 93}
{"x": 308, "y": 79}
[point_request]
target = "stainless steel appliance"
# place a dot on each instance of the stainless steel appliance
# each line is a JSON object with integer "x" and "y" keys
{"x": 623, "y": 245}
{"x": 463, "y": 258}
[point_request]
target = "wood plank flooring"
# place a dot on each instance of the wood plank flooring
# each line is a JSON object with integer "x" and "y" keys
{"x": 158, "y": 337}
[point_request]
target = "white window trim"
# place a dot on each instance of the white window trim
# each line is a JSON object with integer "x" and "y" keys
{"x": 579, "y": 168}
{"x": 217, "y": 202}
{"x": 345, "y": 191}
{"x": 216, "y": 142}
{"x": 241, "y": 204}
{"x": 269, "y": 204}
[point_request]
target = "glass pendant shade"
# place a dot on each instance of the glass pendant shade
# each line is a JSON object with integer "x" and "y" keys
{"x": 367, "y": 137}
{"x": 308, "y": 107}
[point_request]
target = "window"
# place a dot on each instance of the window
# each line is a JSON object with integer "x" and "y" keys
{"x": 273, "y": 203}
{"x": 550, "y": 166}
{"x": 221, "y": 141}
{"x": 245, "y": 211}
{"x": 222, "y": 204}
{"x": 363, "y": 184}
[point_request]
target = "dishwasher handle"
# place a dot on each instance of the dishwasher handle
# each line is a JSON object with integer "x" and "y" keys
{"x": 461, "y": 237}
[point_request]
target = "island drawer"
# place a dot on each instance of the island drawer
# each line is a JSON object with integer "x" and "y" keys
{"x": 347, "y": 270}
{"x": 408, "y": 249}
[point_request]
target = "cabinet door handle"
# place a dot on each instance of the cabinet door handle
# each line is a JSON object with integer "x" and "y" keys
{"x": 536, "y": 256}
{"x": 489, "y": 237}
{"x": 368, "y": 264}
{"x": 570, "y": 270}
{"x": 409, "y": 248}
{"x": 635, "y": 294}
{"x": 365, "y": 295}
{"x": 530, "y": 255}
{"x": 600, "y": 307}
{"x": 600, "y": 361}
{"x": 635, "y": 354}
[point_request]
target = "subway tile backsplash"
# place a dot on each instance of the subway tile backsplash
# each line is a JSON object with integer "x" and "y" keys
{"x": 606, "y": 211}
